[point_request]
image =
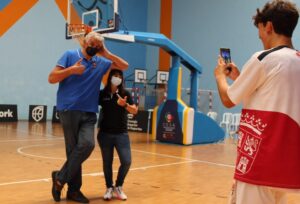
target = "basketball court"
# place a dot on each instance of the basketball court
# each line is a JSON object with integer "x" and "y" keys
{"x": 160, "y": 172}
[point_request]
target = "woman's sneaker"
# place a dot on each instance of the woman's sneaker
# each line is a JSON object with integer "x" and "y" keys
{"x": 108, "y": 194}
{"x": 120, "y": 194}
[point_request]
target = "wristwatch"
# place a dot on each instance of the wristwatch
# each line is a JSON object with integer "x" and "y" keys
{"x": 126, "y": 104}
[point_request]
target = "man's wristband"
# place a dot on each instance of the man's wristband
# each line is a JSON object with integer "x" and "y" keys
{"x": 125, "y": 106}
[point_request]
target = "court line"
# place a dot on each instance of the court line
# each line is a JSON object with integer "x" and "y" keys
{"x": 29, "y": 140}
{"x": 91, "y": 174}
{"x": 20, "y": 151}
{"x": 26, "y": 181}
{"x": 32, "y": 133}
{"x": 131, "y": 169}
{"x": 158, "y": 154}
{"x": 194, "y": 160}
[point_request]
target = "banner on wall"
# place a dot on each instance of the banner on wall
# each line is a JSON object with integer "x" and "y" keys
{"x": 55, "y": 115}
{"x": 37, "y": 113}
{"x": 139, "y": 122}
{"x": 8, "y": 113}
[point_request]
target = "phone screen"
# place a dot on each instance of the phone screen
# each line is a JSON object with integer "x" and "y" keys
{"x": 225, "y": 54}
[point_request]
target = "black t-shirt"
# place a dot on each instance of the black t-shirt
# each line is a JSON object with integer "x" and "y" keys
{"x": 112, "y": 117}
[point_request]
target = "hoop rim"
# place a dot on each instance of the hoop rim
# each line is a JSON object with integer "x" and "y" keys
{"x": 77, "y": 30}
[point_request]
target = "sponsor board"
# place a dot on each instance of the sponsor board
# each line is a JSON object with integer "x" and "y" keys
{"x": 37, "y": 113}
{"x": 8, "y": 113}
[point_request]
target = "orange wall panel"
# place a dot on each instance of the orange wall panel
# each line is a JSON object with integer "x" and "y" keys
{"x": 166, "y": 29}
{"x": 13, "y": 12}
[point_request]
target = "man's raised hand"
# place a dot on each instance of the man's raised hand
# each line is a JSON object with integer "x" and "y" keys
{"x": 78, "y": 68}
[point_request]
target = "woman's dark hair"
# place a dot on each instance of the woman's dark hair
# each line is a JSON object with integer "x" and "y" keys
{"x": 108, "y": 84}
{"x": 283, "y": 15}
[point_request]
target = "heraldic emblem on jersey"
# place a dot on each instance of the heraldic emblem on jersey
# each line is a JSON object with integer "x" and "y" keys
{"x": 250, "y": 137}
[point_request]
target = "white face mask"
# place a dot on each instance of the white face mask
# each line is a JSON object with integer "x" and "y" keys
{"x": 116, "y": 81}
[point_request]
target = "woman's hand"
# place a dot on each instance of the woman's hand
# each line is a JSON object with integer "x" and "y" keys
{"x": 122, "y": 101}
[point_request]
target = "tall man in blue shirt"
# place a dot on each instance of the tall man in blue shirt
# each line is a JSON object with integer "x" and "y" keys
{"x": 79, "y": 73}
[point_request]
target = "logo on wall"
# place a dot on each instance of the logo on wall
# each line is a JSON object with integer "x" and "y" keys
{"x": 169, "y": 126}
{"x": 169, "y": 118}
{"x": 37, "y": 113}
{"x": 8, "y": 113}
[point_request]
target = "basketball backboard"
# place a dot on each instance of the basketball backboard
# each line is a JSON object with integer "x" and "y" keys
{"x": 100, "y": 15}
{"x": 162, "y": 77}
{"x": 140, "y": 76}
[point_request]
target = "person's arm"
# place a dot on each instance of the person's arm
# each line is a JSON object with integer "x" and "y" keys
{"x": 117, "y": 62}
{"x": 59, "y": 73}
{"x": 221, "y": 72}
{"x": 222, "y": 88}
{"x": 101, "y": 93}
{"x": 133, "y": 109}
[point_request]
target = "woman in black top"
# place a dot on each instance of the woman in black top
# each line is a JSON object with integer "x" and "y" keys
{"x": 115, "y": 102}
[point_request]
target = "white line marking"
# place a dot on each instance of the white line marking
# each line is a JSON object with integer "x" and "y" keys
{"x": 132, "y": 169}
{"x": 26, "y": 181}
{"x": 29, "y": 140}
{"x": 91, "y": 174}
{"x": 163, "y": 155}
{"x": 20, "y": 151}
{"x": 32, "y": 133}
{"x": 159, "y": 165}
{"x": 194, "y": 160}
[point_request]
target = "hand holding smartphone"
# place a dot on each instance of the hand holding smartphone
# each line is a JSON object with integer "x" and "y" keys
{"x": 225, "y": 54}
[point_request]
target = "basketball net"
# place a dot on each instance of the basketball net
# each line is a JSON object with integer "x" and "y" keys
{"x": 78, "y": 31}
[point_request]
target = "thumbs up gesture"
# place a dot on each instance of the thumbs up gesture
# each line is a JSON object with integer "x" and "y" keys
{"x": 78, "y": 68}
{"x": 122, "y": 101}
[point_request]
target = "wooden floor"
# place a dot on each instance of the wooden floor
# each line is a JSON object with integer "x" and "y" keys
{"x": 160, "y": 173}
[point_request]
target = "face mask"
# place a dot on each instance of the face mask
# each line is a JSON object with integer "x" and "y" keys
{"x": 91, "y": 51}
{"x": 116, "y": 81}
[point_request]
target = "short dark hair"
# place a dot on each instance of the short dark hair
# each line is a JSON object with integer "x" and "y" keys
{"x": 282, "y": 13}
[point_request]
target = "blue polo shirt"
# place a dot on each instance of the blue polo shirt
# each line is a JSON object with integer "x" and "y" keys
{"x": 81, "y": 92}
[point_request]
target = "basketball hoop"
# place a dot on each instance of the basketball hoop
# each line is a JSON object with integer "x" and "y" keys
{"x": 77, "y": 31}
{"x": 82, "y": 19}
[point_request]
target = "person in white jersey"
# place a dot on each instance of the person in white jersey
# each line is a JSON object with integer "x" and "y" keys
{"x": 268, "y": 150}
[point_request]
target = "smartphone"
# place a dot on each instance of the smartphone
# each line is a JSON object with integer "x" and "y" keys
{"x": 225, "y": 54}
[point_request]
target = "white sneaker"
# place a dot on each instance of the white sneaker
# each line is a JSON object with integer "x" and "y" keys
{"x": 120, "y": 194}
{"x": 108, "y": 194}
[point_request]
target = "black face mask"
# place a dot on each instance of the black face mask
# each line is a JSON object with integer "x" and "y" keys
{"x": 91, "y": 51}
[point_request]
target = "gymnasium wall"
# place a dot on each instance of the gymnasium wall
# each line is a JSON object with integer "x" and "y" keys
{"x": 201, "y": 27}
{"x": 31, "y": 45}
{"x": 35, "y": 39}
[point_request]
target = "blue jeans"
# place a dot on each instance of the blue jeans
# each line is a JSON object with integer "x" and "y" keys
{"x": 78, "y": 130}
{"x": 107, "y": 143}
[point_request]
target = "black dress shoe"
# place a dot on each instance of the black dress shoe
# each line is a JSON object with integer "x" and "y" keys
{"x": 56, "y": 187}
{"x": 77, "y": 196}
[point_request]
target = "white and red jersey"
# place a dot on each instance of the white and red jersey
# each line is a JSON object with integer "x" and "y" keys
{"x": 269, "y": 135}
